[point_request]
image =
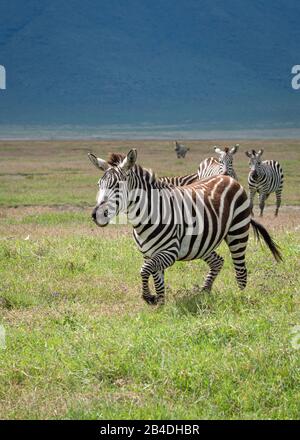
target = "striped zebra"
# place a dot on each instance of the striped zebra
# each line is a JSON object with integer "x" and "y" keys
{"x": 180, "y": 149}
{"x": 177, "y": 223}
{"x": 212, "y": 167}
{"x": 180, "y": 180}
{"x": 264, "y": 177}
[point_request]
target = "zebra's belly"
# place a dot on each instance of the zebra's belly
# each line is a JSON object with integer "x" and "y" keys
{"x": 149, "y": 248}
{"x": 192, "y": 246}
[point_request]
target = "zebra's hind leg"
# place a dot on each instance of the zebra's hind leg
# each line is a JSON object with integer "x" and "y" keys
{"x": 215, "y": 263}
{"x": 278, "y": 201}
{"x": 237, "y": 247}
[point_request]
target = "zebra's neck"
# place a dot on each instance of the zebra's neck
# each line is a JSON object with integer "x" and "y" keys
{"x": 143, "y": 189}
{"x": 146, "y": 179}
{"x": 260, "y": 172}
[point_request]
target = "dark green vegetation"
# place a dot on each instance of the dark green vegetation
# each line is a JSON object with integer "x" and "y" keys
{"x": 80, "y": 342}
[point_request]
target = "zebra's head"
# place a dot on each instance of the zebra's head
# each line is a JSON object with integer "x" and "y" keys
{"x": 113, "y": 186}
{"x": 226, "y": 159}
{"x": 254, "y": 160}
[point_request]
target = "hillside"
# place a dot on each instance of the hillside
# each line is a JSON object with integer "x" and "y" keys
{"x": 156, "y": 61}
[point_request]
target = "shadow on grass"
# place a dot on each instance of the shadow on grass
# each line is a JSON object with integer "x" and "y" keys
{"x": 193, "y": 302}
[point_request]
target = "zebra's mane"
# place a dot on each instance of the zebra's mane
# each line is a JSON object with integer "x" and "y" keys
{"x": 115, "y": 159}
{"x": 226, "y": 149}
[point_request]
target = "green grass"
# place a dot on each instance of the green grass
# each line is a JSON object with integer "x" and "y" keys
{"x": 82, "y": 344}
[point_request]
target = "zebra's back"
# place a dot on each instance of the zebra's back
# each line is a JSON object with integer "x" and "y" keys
{"x": 180, "y": 180}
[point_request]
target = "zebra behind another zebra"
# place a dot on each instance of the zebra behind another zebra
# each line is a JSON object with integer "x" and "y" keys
{"x": 161, "y": 217}
{"x": 208, "y": 167}
{"x": 212, "y": 167}
{"x": 180, "y": 180}
{"x": 264, "y": 177}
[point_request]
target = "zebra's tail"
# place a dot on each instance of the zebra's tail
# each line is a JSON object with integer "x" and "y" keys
{"x": 260, "y": 230}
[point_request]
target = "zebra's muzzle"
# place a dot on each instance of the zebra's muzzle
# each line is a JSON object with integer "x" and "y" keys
{"x": 100, "y": 218}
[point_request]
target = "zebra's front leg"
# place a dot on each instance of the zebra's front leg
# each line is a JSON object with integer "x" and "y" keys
{"x": 278, "y": 201}
{"x": 155, "y": 266}
{"x": 262, "y": 199}
{"x": 251, "y": 197}
{"x": 215, "y": 263}
{"x": 159, "y": 284}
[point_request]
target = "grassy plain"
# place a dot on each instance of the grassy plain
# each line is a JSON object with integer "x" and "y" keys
{"x": 80, "y": 343}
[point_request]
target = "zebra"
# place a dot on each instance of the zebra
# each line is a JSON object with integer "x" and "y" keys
{"x": 264, "y": 177}
{"x": 218, "y": 207}
{"x": 180, "y": 149}
{"x": 212, "y": 167}
{"x": 180, "y": 180}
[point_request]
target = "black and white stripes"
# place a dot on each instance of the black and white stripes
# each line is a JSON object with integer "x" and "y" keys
{"x": 180, "y": 180}
{"x": 264, "y": 177}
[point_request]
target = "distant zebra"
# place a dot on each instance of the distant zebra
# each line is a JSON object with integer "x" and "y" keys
{"x": 212, "y": 167}
{"x": 177, "y": 223}
{"x": 264, "y": 177}
{"x": 180, "y": 150}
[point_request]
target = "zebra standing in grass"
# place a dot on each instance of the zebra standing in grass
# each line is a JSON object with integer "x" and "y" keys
{"x": 212, "y": 167}
{"x": 264, "y": 177}
{"x": 177, "y": 223}
{"x": 180, "y": 150}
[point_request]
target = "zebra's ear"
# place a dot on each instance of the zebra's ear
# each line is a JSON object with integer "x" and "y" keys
{"x": 248, "y": 154}
{"x": 129, "y": 160}
{"x": 234, "y": 149}
{"x": 99, "y": 163}
{"x": 260, "y": 152}
{"x": 217, "y": 150}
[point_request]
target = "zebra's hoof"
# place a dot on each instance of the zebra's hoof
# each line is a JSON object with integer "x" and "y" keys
{"x": 151, "y": 299}
{"x": 205, "y": 290}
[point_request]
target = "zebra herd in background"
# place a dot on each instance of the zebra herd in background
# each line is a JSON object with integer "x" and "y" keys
{"x": 265, "y": 177}
{"x": 177, "y": 219}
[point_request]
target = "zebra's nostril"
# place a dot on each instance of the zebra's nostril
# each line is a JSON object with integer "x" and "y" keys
{"x": 94, "y": 215}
